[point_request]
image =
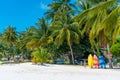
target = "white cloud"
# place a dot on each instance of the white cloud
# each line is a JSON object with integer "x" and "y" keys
{"x": 43, "y": 6}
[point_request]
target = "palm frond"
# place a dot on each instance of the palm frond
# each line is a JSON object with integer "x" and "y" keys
{"x": 111, "y": 23}
{"x": 60, "y": 37}
{"x": 89, "y": 13}
{"x": 75, "y": 37}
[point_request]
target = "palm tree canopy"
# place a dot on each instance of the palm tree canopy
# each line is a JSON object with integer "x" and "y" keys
{"x": 60, "y": 5}
{"x": 65, "y": 30}
{"x": 111, "y": 24}
{"x": 94, "y": 17}
{"x": 39, "y": 34}
{"x": 9, "y": 35}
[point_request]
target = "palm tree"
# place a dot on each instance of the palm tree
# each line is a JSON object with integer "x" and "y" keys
{"x": 9, "y": 35}
{"x": 65, "y": 30}
{"x": 3, "y": 49}
{"x": 83, "y": 5}
{"x": 39, "y": 35}
{"x": 21, "y": 44}
{"x": 60, "y": 5}
{"x": 86, "y": 4}
{"x": 9, "y": 38}
{"x": 111, "y": 30}
{"x": 101, "y": 21}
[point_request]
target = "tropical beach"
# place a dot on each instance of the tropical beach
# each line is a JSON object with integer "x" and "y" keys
{"x": 60, "y": 40}
{"x": 29, "y": 71}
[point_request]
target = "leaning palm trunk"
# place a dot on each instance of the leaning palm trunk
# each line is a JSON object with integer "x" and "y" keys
{"x": 109, "y": 57}
{"x": 71, "y": 51}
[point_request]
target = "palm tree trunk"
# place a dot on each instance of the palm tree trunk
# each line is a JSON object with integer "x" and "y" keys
{"x": 71, "y": 51}
{"x": 109, "y": 57}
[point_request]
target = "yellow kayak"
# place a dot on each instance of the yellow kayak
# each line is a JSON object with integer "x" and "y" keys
{"x": 90, "y": 61}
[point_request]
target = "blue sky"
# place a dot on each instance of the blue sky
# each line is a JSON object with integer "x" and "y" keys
{"x": 21, "y": 13}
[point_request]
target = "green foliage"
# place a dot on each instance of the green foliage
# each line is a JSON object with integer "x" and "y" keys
{"x": 40, "y": 55}
{"x": 50, "y": 61}
{"x": 83, "y": 48}
{"x": 100, "y": 18}
{"x": 65, "y": 30}
{"x": 115, "y": 49}
{"x": 59, "y": 5}
{"x": 1, "y": 56}
{"x": 8, "y": 40}
{"x": 39, "y": 35}
{"x": 10, "y": 35}
{"x": 56, "y": 51}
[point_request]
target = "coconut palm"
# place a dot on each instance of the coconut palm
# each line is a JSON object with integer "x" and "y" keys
{"x": 21, "y": 44}
{"x": 10, "y": 35}
{"x": 9, "y": 38}
{"x": 65, "y": 30}
{"x": 39, "y": 35}
{"x": 103, "y": 22}
{"x": 83, "y": 5}
{"x": 3, "y": 49}
{"x": 86, "y": 4}
{"x": 111, "y": 28}
{"x": 60, "y": 5}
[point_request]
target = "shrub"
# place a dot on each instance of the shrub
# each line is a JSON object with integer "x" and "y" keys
{"x": 1, "y": 56}
{"x": 34, "y": 60}
{"x": 115, "y": 49}
{"x": 50, "y": 61}
{"x": 40, "y": 55}
{"x": 67, "y": 62}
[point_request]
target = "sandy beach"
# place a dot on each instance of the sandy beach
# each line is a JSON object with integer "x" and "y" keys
{"x": 28, "y": 71}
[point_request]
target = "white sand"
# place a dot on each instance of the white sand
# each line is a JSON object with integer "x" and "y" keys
{"x": 28, "y": 71}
